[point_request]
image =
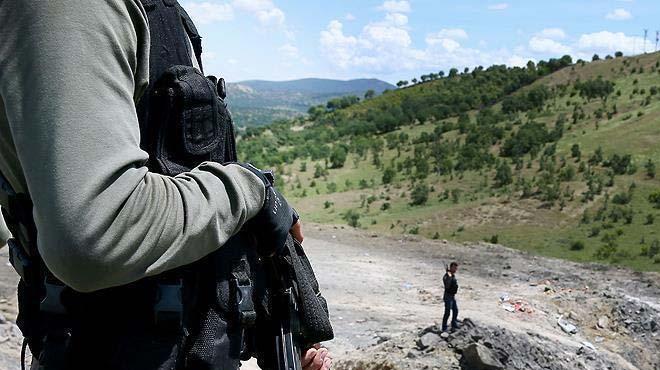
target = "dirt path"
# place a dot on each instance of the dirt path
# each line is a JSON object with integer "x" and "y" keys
{"x": 385, "y": 290}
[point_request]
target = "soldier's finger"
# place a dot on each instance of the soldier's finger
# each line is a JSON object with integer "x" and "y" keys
{"x": 308, "y": 357}
{"x": 327, "y": 364}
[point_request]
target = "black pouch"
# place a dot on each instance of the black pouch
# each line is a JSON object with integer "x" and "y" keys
{"x": 191, "y": 123}
{"x": 314, "y": 316}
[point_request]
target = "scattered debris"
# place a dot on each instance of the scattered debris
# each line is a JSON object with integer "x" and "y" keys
{"x": 566, "y": 326}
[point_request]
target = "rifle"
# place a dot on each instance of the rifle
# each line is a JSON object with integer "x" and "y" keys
{"x": 286, "y": 324}
{"x": 284, "y": 311}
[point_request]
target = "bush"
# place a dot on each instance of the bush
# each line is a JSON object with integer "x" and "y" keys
{"x": 352, "y": 217}
{"x": 577, "y": 245}
{"x": 388, "y": 175}
{"x": 654, "y": 249}
{"x": 494, "y": 239}
{"x": 650, "y": 218}
{"x": 419, "y": 195}
{"x": 338, "y": 157}
{"x": 621, "y": 198}
{"x": 385, "y": 206}
{"x": 654, "y": 199}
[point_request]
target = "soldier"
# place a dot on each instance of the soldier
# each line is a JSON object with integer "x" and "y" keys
{"x": 118, "y": 203}
{"x": 451, "y": 288}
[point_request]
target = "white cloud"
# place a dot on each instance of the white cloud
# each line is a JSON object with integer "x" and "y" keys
{"x": 207, "y": 12}
{"x": 289, "y": 51}
{"x": 448, "y": 33}
{"x": 553, "y": 33}
{"x": 518, "y": 61}
{"x": 397, "y": 19}
{"x": 619, "y": 15}
{"x": 446, "y": 38}
{"x": 385, "y": 47}
{"x": 548, "y": 46}
{"x": 264, "y": 10}
{"x": 349, "y": 17}
{"x": 606, "y": 42}
{"x": 500, "y": 6}
{"x": 341, "y": 48}
{"x": 381, "y": 35}
{"x": 394, "y": 6}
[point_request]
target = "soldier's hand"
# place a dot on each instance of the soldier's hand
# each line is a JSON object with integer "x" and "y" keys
{"x": 296, "y": 231}
{"x": 317, "y": 358}
{"x": 272, "y": 225}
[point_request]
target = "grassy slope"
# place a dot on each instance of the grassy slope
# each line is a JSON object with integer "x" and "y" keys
{"x": 483, "y": 211}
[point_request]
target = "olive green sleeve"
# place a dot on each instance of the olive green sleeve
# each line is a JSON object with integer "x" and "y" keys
{"x": 70, "y": 73}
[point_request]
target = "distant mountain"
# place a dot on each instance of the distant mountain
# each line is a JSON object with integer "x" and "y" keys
{"x": 258, "y": 102}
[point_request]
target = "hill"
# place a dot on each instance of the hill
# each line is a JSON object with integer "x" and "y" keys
{"x": 258, "y": 102}
{"x": 558, "y": 158}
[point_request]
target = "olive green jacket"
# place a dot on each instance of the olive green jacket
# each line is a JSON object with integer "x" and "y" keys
{"x": 71, "y": 72}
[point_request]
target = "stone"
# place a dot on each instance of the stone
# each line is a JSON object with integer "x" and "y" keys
{"x": 479, "y": 357}
{"x": 567, "y": 326}
{"x": 444, "y": 335}
{"x": 603, "y": 322}
{"x": 3, "y": 320}
{"x": 428, "y": 340}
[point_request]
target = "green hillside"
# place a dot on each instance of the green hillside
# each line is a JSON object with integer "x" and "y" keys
{"x": 556, "y": 158}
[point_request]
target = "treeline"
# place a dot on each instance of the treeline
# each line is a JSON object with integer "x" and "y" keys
{"x": 343, "y": 119}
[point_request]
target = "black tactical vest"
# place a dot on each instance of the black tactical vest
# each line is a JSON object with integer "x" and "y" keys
{"x": 207, "y": 315}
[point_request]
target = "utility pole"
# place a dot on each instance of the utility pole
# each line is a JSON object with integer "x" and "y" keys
{"x": 657, "y": 38}
{"x": 646, "y": 33}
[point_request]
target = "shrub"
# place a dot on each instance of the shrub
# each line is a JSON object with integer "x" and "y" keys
{"x": 388, "y": 175}
{"x": 419, "y": 195}
{"x": 650, "y": 218}
{"x": 352, "y": 217}
{"x": 577, "y": 245}
{"x": 654, "y": 248}
{"x": 654, "y": 199}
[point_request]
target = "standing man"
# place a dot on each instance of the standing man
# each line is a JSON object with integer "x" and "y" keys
{"x": 451, "y": 287}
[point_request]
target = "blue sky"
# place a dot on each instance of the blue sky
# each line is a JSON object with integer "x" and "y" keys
{"x": 399, "y": 39}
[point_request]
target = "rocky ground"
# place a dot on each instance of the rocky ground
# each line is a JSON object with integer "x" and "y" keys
{"x": 385, "y": 301}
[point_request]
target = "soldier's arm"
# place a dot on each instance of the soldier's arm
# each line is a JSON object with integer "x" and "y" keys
{"x": 70, "y": 72}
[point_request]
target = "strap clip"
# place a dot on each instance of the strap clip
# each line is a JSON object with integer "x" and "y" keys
{"x": 169, "y": 304}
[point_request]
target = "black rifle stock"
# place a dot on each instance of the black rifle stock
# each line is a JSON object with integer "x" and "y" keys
{"x": 284, "y": 310}
{"x": 286, "y": 324}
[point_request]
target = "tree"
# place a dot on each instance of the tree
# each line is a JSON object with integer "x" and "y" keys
{"x": 369, "y": 94}
{"x": 388, "y": 175}
{"x": 503, "y": 176}
{"x": 618, "y": 54}
{"x": 453, "y": 72}
{"x": 352, "y": 217}
{"x": 338, "y": 157}
{"x": 414, "y": 81}
{"x": 441, "y": 74}
{"x": 650, "y": 169}
{"x": 575, "y": 152}
{"x": 319, "y": 171}
{"x": 419, "y": 195}
{"x": 595, "y": 58}
{"x": 654, "y": 198}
